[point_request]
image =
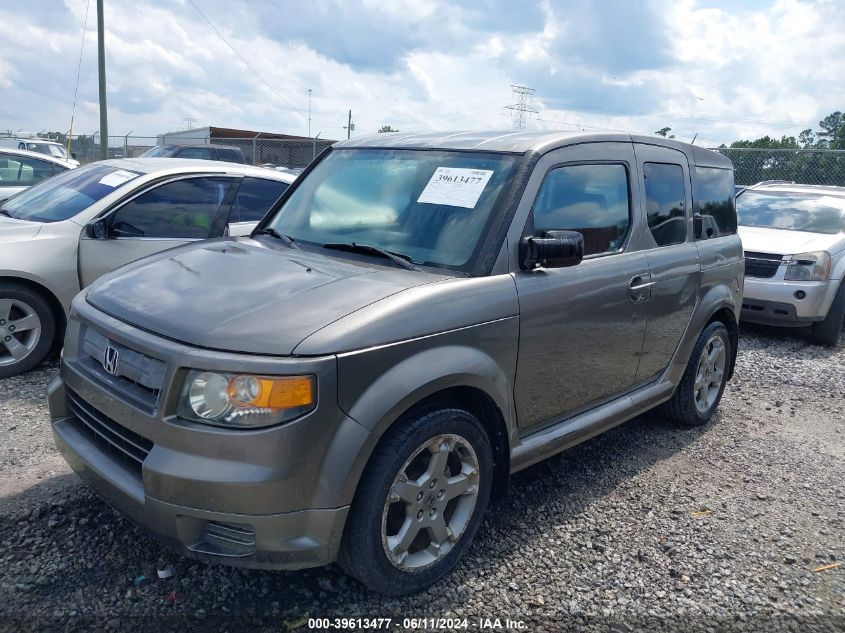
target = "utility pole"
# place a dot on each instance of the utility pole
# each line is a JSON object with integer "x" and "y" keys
{"x": 349, "y": 125}
{"x": 101, "y": 67}
{"x": 309, "y": 112}
{"x": 522, "y": 108}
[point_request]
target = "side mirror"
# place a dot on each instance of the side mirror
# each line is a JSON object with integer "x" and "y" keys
{"x": 554, "y": 249}
{"x": 96, "y": 230}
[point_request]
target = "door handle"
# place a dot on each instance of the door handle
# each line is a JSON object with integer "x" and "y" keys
{"x": 639, "y": 289}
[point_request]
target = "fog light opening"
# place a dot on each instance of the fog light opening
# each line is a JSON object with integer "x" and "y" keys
{"x": 800, "y": 294}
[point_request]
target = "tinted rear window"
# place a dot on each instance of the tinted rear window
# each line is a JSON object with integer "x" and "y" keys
{"x": 664, "y": 192}
{"x": 254, "y": 199}
{"x": 714, "y": 201}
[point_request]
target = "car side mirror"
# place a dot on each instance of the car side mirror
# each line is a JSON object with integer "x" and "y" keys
{"x": 97, "y": 229}
{"x": 553, "y": 249}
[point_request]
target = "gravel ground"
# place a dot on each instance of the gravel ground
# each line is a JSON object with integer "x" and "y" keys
{"x": 646, "y": 527}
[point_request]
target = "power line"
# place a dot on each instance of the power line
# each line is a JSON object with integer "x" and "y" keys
{"x": 78, "y": 71}
{"x": 669, "y": 116}
{"x": 249, "y": 66}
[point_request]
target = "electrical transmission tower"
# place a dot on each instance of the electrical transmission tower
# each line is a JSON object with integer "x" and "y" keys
{"x": 522, "y": 109}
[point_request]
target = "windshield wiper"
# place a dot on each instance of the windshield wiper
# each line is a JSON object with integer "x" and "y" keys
{"x": 399, "y": 259}
{"x": 6, "y": 213}
{"x": 286, "y": 239}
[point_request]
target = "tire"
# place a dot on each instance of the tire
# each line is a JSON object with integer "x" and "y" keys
{"x": 372, "y": 546}
{"x": 27, "y": 329}
{"x": 689, "y": 405}
{"x": 827, "y": 332}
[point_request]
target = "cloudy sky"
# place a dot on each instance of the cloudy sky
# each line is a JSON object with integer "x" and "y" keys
{"x": 719, "y": 68}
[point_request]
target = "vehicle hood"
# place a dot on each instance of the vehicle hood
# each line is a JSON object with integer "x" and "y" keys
{"x": 241, "y": 295}
{"x": 12, "y": 230}
{"x": 785, "y": 242}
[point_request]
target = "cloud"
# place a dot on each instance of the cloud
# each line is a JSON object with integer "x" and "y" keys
{"x": 720, "y": 69}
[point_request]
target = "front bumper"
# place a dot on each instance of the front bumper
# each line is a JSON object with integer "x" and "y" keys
{"x": 269, "y": 498}
{"x": 774, "y": 301}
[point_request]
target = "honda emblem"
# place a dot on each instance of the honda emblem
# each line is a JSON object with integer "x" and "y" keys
{"x": 110, "y": 359}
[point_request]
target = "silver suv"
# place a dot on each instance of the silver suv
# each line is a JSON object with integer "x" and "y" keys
{"x": 794, "y": 240}
{"x": 419, "y": 317}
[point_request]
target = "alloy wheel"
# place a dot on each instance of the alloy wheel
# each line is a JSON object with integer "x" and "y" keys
{"x": 20, "y": 331}
{"x": 710, "y": 373}
{"x": 430, "y": 503}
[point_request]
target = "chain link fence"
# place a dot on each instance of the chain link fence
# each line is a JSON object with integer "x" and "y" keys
{"x": 287, "y": 153}
{"x": 751, "y": 165}
{"x": 806, "y": 166}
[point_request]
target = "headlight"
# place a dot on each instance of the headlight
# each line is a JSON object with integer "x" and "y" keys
{"x": 809, "y": 267}
{"x": 245, "y": 401}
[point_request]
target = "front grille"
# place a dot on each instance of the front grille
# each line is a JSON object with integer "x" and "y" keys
{"x": 137, "y": 377}
{"x": 125, "y": 447}
{"x": 762, "y": 265}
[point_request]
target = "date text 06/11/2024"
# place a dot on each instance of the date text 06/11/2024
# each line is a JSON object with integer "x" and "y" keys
{"x": 421, "y": 624}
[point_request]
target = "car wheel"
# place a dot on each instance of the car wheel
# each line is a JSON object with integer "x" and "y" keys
{"x": 27, "y": 329}
{"x": 827, "y": 332}
{"x": 419, "y": 502}
{"x": 704, "y": 379}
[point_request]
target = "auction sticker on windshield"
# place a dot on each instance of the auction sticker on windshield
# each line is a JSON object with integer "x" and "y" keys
{"x": 117, "y": 178}
{"x": 456, "y": 187}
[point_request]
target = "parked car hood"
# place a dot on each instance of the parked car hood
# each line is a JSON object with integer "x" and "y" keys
{"x": 241, "y": 295}
{"x": 12, "y": 230}
{"x": 786, "y": 242}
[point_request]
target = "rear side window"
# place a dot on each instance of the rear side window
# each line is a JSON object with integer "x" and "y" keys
{"x": 229, "y": 155}
{"x": 182, "y": 209}
{"x": 664, "y": 193}
{"x": 254, "y": 199}
{"x": 714, "y": 200}
{"x": 23, "y": 171}
{"x": 590, "y": 199}
{"x": 196, "y": 152}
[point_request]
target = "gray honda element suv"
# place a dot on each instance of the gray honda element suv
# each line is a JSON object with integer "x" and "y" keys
{"x": 417, "y": 318}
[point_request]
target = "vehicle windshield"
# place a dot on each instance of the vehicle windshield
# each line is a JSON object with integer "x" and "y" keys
{"x": 51, "y": 149}
{"x": 63, "y": 196}
{"x": 812, "y": 212}
{"x": 157, "y": 152}
{"x": 431, "y": 206}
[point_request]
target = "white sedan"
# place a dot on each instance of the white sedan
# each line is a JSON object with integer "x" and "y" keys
{"x": 62, "y": 234}
{"x": 20, "y": 169}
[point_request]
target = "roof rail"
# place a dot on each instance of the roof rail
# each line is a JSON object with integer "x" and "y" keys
{"x": 771, "y": 182}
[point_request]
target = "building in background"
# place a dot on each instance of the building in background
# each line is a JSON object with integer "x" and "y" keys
{"x": 259, "y": 148}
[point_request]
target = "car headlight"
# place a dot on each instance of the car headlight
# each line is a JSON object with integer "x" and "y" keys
{"x": 809, "y": 267}
{"x": 243, "y": 400}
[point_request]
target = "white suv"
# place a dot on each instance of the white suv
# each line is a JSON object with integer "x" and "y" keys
{"x": 794, "y": 241}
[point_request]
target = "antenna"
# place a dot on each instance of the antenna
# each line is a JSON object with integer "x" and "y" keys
{"x": 522, "y": 108}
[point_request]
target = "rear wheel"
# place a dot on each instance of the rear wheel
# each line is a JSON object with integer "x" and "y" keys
{"x": 419, "y": 503}
{"x": 27, "y": 329}
{"x": 704, "y": 379}
{"x": 827, "y": 332}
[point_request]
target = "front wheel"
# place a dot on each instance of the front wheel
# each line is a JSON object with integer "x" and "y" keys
{"x": 704, "y": 379}
{"x": 419, "y": 502}
{"x": 27, "y": 329}
{"x": 827, "y": 332}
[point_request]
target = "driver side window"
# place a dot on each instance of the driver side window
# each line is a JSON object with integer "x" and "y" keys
{"x": 182, "y": 209}
{"x": 590, "y": 199}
